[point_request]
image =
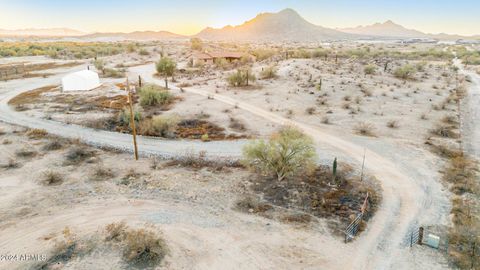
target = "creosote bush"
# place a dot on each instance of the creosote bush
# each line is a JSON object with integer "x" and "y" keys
{"x": 241, "y": 78}
{"x": 287, "y": 152}
{"x": 269, "y": 72}
{"x": 50, "y": 178}
{"x": 152, "y": 95}
{"x": 365, "y": 129}
{"x": 406, "y": 72}
{"x": 370, "y": 69}
{"x": 142, "y": 248}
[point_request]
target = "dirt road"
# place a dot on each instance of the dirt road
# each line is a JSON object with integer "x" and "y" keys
{"x": 403, "y": 198}
{"x": 380, "y": 247}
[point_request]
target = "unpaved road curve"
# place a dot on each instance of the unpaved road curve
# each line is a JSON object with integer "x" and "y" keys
{"x": 401, "y": 204}
{"x": 148, "y": 146}
{"x": 375, "y": 249}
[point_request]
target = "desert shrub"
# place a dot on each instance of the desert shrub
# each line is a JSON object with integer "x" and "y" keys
{"x": 166, "y": 67}
{"x": 124, "y": 117}
{"x": 144, "y": 247}
{"x": 320, "y": 53}
{"x": 143, "y": 52}
{"x": 115, "y": 231}
{"x": 222, "y": 63}
{"x": 53, "y": 145}
{"x": 99, "y": 64}
{"x": 165, "y": 125}
{"x": 36, "y": 133}
{"x": 241, "y": 78}
{"x": 310, "y": 110}
{"x": 300, "y": 218}
{"x": 152, "y": 95}
{"x": 365, "y": 129}
{"x": 205, "y": 137}
{"x": 370, "y": 69}
{"x": 236, "y": 124}
{"x": 405, "y": 72}
{"x": 301, "y": 53}
{"x": 78, "y": 154}
{"x": 392, "y": 124}
{"x": 263, "y": 54}
{"x": 286, "y": 153}
{"x": 421, "y": 66}
{"x": 252, "y": 204}
{"x": 113, "y": 73}
{"x": 196, "y": 44}
{"x": 50, "y": 178}
{"x": 269, "y": 72}
{"x": 445, "y": 131}
{"x": 26, "y": 153}
{"x": 102, "y": 173}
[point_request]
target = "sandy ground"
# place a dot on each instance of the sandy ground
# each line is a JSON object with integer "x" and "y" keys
{"x": 471, "y": 114}
{"x": 407, "y": 171}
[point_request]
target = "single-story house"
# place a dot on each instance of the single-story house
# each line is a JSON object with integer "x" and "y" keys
{"x": 81, "y": 81}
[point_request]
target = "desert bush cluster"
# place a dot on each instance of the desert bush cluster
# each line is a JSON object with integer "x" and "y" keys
{"x": 63, "y": 50}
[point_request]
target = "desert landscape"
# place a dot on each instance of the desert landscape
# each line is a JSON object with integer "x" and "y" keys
{"x": 272, "y": 144}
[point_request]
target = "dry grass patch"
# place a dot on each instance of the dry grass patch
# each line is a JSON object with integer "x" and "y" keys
{"x": 36, "y": 133}
{"x": 32, "y": 96}
{"x": 252, "y": 204}
{"x": 365, "y": 129}
{"x": 78, "y": 154}
{"x": 26, "y": 153}
{"x": 101, "y": 173}
{"x": 392, "y": 124}
{"x": 50, "y": 178}
{"x": 142, "y": 248}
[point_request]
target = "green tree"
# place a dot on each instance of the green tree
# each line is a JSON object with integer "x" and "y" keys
{"x": 196, "y": 44}
{"x": 286, "y": 153}
{"x": 166, "y": 67}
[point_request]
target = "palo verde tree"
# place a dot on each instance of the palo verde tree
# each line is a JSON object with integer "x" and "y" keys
{"x": 166, "y": 67}
{"x": 287, "y": 153}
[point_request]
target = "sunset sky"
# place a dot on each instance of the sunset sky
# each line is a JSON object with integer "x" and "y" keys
{"x": 190, "y": 16}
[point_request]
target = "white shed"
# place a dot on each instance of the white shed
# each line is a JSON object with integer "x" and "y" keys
{"x": 81, "y": 80}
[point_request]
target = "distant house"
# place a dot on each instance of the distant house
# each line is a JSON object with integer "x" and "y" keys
{"x": 210, "y": 57}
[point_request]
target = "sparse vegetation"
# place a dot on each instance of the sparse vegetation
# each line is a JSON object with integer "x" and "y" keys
{"x": 78, "y": 154}
{"x": 268, "y": 72}
{"x": 241, "y": 78}
{"x": 286, "y": 153}
{"x": 370, "y": 69}
{"x": 36, "y": 133}
{"x": 405, "y": 72}
{"x": 166, "y": 67}
{"x": 153, "y": 95}
{"x": 365, "y": 129}
{"x": 50, "y": 178}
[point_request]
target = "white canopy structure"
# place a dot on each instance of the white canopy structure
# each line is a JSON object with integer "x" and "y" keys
{"x": 80, "y": 81}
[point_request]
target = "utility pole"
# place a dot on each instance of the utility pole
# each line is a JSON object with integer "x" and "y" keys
{"x": 132, "y": 119}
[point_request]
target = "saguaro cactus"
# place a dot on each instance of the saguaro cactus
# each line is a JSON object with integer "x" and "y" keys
{"x": 334, "y": 170}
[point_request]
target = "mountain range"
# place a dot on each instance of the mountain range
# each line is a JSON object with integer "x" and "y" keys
{"x": 41, "y": 32}
{"x": 286, "y": 25}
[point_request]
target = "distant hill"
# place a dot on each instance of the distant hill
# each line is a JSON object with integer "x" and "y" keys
{"x": 386, "y": 29}
{"x": 138, "y": 35}
{"x": 286, "y": 25}
{"x": 390, "y": 29}
{"x": 44, "y": 32}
